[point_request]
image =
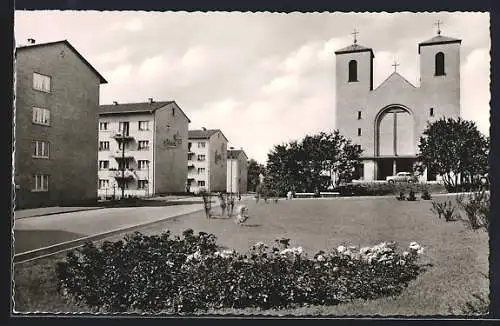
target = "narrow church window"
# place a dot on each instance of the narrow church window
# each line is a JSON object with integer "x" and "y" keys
{"x": 353, "y": 71}
{"x": 359, "y": 115}
{"x": 431, "y": 112}
{"x": 440, "y": 64}
{"x": 359, "y": 131}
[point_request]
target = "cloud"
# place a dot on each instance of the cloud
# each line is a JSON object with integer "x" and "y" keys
{"x": 153, "y": 66}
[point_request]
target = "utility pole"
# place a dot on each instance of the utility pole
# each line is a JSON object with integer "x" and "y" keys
{"x": 123, "y": 161}
{"x": 231, "y": 173}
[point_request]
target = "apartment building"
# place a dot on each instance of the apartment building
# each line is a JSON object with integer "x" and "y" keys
{"x": 142, "y": 149}
{"x": 237, "y": 171}
{"x": 55, "y": 116}
{"x": 207, "y": 161}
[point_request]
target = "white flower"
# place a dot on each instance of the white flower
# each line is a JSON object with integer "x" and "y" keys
{"x": 341, "y": 249}
{"x": 335, "y": 269}
{"x": 364, "y": 250}
{"x": 298, "y": 250}
{"x": 416, "y": 247}
{"x": 320, "y": 258}
{"x": 402, "y": 262}
{"x": 405, "y": 254}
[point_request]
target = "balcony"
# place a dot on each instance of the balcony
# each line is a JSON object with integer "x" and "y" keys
{"x": 119, "y": 155}
{"x": 119, "y": 136}
{"x": 127, "y": 174}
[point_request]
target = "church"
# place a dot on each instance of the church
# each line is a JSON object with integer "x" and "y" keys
{"x": 388, "y": 120}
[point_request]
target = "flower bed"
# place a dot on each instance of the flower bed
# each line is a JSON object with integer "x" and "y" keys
{"x": 188, "y": 273}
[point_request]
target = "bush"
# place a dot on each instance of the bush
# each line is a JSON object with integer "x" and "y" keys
{"x": 444, "y": 210}
{"x": 476, "y": 208}
{"x": 159, "y": 273}
{"x": 401, "y": 196}
{"x": 426, "y": 195}
{"x": 411, "y": 196}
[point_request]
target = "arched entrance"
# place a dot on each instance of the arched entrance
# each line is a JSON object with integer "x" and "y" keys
{"x": 394, "y": 141}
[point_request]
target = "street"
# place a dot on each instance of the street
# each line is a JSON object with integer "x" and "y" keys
{"x": 41, "y": 231}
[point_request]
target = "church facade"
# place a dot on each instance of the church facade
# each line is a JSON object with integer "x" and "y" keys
{"x": 387, "y": 121}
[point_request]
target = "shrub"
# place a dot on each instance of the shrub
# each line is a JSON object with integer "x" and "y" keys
{"x": 159, "y": 273}
{"x": 444, "y": 210}
{"x": 411, "y": 196}
{"x": 426, "y": 195}
{"x": 401, "y": 196}
{"x": 476, "y": 208}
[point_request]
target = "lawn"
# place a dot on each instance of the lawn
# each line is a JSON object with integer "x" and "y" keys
{"x": 458, "y": 256}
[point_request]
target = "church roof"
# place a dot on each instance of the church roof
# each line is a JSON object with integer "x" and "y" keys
{"x": 393, "y": 78}
{"x": 439, "y": 39}
{"x": 354, "y": 48}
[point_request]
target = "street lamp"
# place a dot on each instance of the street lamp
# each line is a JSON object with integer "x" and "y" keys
{"x": 231, "y": 174}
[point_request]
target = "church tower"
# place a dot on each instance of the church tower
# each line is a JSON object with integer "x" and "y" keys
{"x": 354, "y": 81}
{"x": 440, "y": 76}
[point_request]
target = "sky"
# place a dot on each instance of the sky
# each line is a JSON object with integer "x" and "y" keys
{"x": 262, "y": 78}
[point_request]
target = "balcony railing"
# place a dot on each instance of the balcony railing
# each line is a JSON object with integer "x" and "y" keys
{"x": 119, "y": 154}
{"x": 118, "y": 135}
{"x": 127, "y": 174}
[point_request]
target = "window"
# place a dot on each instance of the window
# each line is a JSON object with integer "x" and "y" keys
{"x": 201, "y": 144}
{"x": 359, "y": 115}
{"x": 143, "y": 145}
{"x": 431, "y": 112}
{"x": 142, "y": 184}
{"x": 143, "y": 125}
{"x": 40, "y": 182}
{"x": 359, "y": 131}
{"x": 142, "y": 164}
{"x": 123, "y": 128}
{"x": 190, "y": 156}
{"x": 353, "y": 71}
{"x": 41, "y": 82}
{"x": 120, "y": 146}
{"x": 201, "y": 170}
{"x": 122, "y": 184}
{"x": 40, "y": 149}
{"x": 41, "y": 116}
{"x": 201, "y": 183}
{"x": 439, "y": 64}
{"x": 104, "y": 145}
{"x": 173, "y": 112}
{"x": 103, "y": 183}
{"x": 123, "y": 165}
{"x": 189, "y": 146}
{"x": 201, "y": 157}
{"x": 103, "y": 126}
{"x": 103, "y": 165}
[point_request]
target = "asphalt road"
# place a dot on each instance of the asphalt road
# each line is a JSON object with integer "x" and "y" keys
{"x": 37, "y": 232}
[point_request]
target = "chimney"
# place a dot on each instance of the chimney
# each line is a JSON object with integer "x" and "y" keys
{"x": 31, "y": 41}
{"x": 203, "y": 128}
{"x": 115, "y": 103}
{"x": 150, "y": 100}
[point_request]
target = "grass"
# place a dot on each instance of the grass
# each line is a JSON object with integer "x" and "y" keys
{"x": 458, "y": 256}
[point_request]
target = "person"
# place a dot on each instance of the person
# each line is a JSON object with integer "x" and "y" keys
{"x": 222, "y": 202}
{"x": 231, "y": 204}
{"x": 241, "y": 214}
{"x": 239, "y": 197}
{"x": 289, "y": 195}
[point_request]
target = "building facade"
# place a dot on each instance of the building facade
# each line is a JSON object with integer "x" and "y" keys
{"x": 237, "y": 171}
{"x": 142, "y": 148}
{"x": 387, "y": 121}
{"x": 56, "y": 113}
{"x": 207, "y": 161}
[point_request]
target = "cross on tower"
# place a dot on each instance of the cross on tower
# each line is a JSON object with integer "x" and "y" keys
{"x": 438, "y": 23}
{"x": 355, "y": 33}
{"x": 395, "y": 65}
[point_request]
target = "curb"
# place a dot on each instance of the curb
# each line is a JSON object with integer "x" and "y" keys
{"x": 57, "y": 213}
{"x": 76, "y": 243}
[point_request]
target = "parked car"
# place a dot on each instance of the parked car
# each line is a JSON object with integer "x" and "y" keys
{"x": 402, "y": 177}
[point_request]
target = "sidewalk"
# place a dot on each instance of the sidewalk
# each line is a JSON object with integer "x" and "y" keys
{"x": 43, "y": 211}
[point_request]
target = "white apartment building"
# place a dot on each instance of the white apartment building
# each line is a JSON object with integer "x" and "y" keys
{"x": 142, "y": 148}
{"x": 206, "y": 161}
{"x": 237, "y": 171}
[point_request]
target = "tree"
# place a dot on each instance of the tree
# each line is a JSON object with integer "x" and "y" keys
{"x": 254, "y": 169}
{"x": 455, "y": 149}
{"x": 308, "y": 165}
